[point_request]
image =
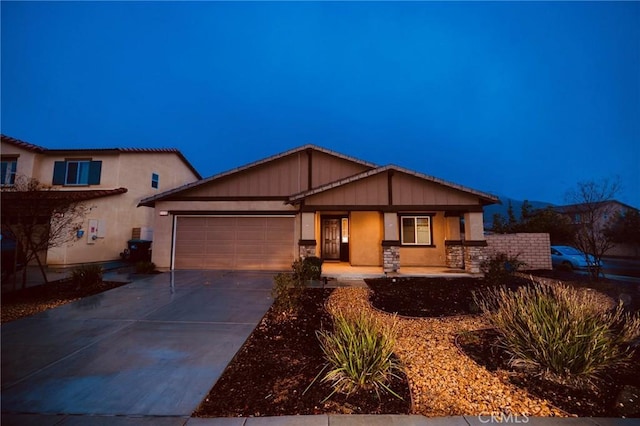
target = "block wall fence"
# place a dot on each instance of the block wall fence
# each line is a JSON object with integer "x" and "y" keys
{"x": 533, "y": 249}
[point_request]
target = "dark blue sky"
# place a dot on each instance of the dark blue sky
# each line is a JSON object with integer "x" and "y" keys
{"x": 518, "y": 99}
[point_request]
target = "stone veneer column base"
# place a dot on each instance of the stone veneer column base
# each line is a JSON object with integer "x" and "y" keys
{"x": 307, "y": 248}
{"x": 454, "y": 253}
{"x": 390, "y": 256}
{"x": 474, "y": 255}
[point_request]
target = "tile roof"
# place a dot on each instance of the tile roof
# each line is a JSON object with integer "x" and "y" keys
{"x": 75, "y": 195}
{"x": 46, "y": 151}
{"x": 22, "y": 144}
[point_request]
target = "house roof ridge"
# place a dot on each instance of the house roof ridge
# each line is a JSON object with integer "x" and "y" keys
{"x": 377, "y": 170}
{"x": 247, "y": 166}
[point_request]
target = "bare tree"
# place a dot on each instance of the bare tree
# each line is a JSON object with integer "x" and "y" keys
{"x": 592, "y": 208}
{"x": 40, "y": 218}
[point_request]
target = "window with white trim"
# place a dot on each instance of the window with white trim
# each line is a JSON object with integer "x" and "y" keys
{"x": 9, "y": 167}
{"x": 416, "y": 230}
{"x": 77, "y": 172}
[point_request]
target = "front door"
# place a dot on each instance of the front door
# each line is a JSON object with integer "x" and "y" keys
{"x": 331, "y": 239}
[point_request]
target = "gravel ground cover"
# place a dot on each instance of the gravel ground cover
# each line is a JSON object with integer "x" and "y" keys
{"x": 443, "y": 380}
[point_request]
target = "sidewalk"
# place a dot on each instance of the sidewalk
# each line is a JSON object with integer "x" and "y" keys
{"x": 319, "y": 420}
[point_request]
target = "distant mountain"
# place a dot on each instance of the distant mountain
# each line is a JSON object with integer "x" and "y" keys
{"x": 502, "y": 209}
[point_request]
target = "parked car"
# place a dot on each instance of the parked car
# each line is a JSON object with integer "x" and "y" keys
{"x": 570, "y": 257}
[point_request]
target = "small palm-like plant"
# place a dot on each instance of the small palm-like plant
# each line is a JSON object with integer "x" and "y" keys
{"x": 359, "y": 354}
{"x": 560, "y": 330}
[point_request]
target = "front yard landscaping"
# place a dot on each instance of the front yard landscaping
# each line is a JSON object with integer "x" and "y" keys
{"x": 450, "y": 358}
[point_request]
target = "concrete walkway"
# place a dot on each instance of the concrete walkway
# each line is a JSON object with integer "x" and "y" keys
{"x": 147, "y": 353}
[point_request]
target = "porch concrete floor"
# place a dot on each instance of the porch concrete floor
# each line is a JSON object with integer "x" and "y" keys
{"x": 344, "y": 271}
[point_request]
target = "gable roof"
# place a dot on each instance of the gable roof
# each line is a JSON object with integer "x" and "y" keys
{"x": 485, "y": 197}
{"x": 45, "y": 151}
{"x": 149, "y": 201}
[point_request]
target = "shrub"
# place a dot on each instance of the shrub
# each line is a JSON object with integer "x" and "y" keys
{"x": 312, "y": 267}
{"x": 359, "y": 354}
{"x": 145, "y": 267}
{"x": 560, "y": 330}
{"x": 287, "y": 291}
{"x": 87, "y": 275}
{"x": 500, "y": 267}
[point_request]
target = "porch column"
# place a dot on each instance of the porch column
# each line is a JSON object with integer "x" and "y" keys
{"x": 474, "y": 243}
{"x": 391, "y": 244}
{"x": 307, "y": 241}
{"x": 452, "y": 241}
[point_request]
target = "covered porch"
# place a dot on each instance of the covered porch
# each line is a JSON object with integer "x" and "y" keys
{"x": 345, "y": 271}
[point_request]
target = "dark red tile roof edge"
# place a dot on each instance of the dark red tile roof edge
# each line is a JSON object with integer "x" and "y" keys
{"x": 76, "y": 195}
{"x": 35, "y": 148}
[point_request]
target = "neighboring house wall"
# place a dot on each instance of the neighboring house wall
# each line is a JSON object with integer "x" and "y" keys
{"x": 533, "y": 249}
{"x": 143, "y": 172}
{"x": 119, "y": 214}
{"x": 26, "y": 160}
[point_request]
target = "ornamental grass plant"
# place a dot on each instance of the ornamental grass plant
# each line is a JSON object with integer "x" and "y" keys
{"x": 87, "y": 275}
{"x": 560, "y": 331}
{"x": 359, "y": 354}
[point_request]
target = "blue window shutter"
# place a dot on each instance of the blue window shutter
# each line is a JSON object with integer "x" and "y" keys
{"x": 95, "y": 168}
{"x": 59, "y": 170}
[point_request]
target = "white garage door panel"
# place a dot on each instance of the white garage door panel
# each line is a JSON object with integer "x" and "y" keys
{"x": 258, "y": 243}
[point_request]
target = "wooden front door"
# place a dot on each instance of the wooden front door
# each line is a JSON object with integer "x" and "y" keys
{"x": 331, "y": 239}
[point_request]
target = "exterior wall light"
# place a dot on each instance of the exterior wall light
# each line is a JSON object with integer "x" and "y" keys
{"x": 164, "y": 213}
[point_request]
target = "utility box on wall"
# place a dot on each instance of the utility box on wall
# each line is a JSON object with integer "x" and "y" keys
{"x": 97, "y": 229}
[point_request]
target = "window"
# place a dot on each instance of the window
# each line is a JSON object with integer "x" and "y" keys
{"x": 416, "y": 230}
{"x": 9, "y": 166}
{"x": 77, "y": 172}
{"x": 155, "y": 180}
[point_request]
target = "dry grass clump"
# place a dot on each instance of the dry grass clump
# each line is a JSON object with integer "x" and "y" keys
{"x": 564, "y": 332}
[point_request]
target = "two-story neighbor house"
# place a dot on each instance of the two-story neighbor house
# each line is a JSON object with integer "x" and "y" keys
{"x": 313, "y": 201}
{"x": 110, "y": 182}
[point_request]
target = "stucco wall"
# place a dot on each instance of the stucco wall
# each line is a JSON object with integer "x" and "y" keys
{"x": 432, "y": 256}
{"x": 534, "y": 249}
{"x": 27, "y": 160}
{"x": 118, "y": 213}
{"x": 366, "y": 238}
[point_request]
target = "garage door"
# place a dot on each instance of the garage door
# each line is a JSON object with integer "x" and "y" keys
{"x": 251, "y": 243}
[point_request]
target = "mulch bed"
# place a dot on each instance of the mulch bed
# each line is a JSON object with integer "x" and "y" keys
{"x": 32, "y": 300}
{"x": 281, "y": 358}
{"x": 429, "y": 297}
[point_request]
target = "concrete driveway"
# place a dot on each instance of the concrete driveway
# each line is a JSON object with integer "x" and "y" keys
{"x": 150, "y": 348}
